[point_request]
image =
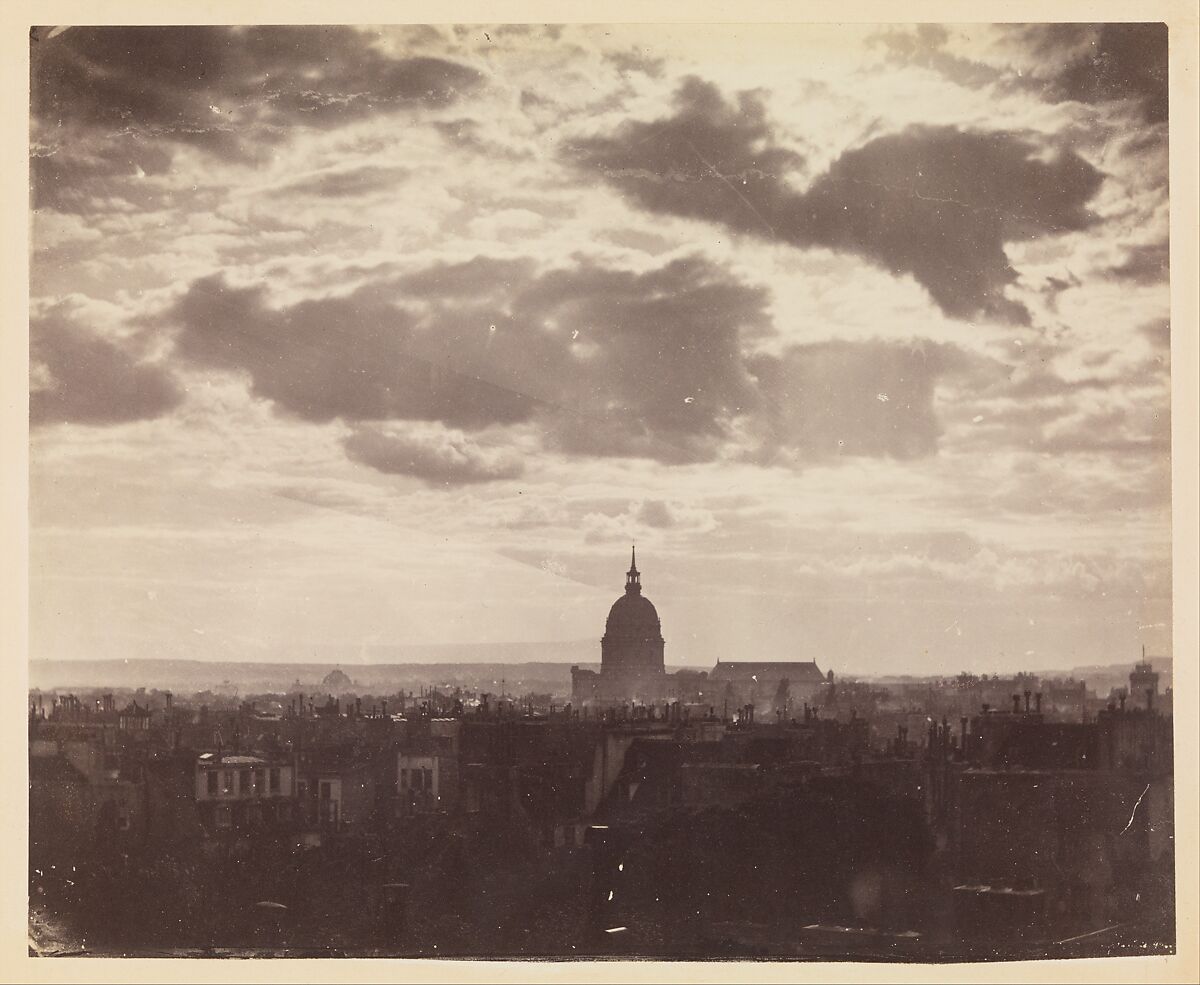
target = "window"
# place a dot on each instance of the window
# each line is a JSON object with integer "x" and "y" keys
{"x": 403, "y": 779}
{"x": 418, "y": 779}
{"x": 274, "y": 775}
{"x": 214, "y": 779}
{"x": 326, "y": 790}
{"x": 428, "y": 779}
{"x": 123, "y": 822}
{"x": 224, "y": 817}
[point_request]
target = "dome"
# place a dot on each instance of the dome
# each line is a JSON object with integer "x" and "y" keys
{"x": 632, "y": 616}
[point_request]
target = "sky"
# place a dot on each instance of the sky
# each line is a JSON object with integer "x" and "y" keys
{"x": 354, "y": 337}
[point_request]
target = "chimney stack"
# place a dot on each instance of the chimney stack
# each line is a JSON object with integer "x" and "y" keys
{"x": 1028, "y": 695}
{"x": 1016, "y": 698}
{"x": 1121, "y": 698}
{"x": 1038, "y": 702}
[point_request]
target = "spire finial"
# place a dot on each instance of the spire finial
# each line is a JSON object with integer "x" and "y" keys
{"x": 633, "y": 579}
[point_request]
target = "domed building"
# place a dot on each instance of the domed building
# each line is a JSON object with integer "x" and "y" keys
{"x": 631, "y": 652}
{"x": 337, "y": 679}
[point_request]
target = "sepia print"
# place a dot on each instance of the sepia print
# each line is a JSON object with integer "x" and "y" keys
{"x": 660, "y": 491}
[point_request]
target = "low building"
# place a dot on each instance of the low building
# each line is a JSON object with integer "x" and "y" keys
{"x": 768, "y": 686}
{"x": 239, "y": 792}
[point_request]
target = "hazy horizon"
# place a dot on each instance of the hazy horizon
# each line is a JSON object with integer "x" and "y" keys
{"x": 355, "y": 338}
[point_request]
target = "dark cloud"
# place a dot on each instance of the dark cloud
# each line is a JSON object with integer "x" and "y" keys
{"x": 620, "y": 363}
{"x": 79, "y": 378}
{"x": 1089, "y": 63}
{"x": 597, "y": 361}
{"x": 1104, "y": 63}
{"x": 925, "y": 47}
{"x": 1159, "y": 335}
{"x": 203, "y": 84}
{"x": 711, "y": 160}
{"x": 636, "y": 60}
{"x": 656, "y": 367}
{"x": 611, "y": 362}
{"x": 870, "y": 398}
{"x": 656, "y": 513}
{"x": 934, "y": 202}
{"x": 72, "y": 178}
{"x": 357, "y": 358}
{"x": 435, "y": 455}
{"x": 1149, "y": 264}
{"x": 106, "y": 98}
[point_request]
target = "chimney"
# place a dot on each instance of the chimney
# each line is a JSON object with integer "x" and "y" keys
{"x": 357, "y": 707}
{"x": 384, "y": 704}
{"x": 1038, "y": 700}
{"x": 1121, "y": 698}
{"x": 1028, "y": 695}
{"x": 1016, "y": 704}
{"x": 301, "y": 704}
{"x": 170, "y": 700}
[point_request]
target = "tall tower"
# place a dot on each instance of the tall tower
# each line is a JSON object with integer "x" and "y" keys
{"x": 1143, "y": 684}
{"x": 631, "y": 651}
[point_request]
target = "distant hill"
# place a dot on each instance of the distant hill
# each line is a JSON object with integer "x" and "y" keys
{"x": 1101, "y": 678}
{"x": 528, "y": 666}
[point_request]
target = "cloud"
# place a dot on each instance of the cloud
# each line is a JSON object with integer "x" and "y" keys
{"x": 656, "y": 513}
{"x": 109, "y": 102}
{"x": 870, "y": 398}
{"x": 1147, "y": 264}
{"x": 711, "y": 160}
{"x": 345, "y": 182}
{"x": 926, "y": 47}
{"x": 356, "y": 358}
{"x": 938, "y": 203}
{"x": 79, "y": 378}
{"x": 600, "y": 362}
{"x": 205, "y": 85}
{"x": 611, "y": 361}
{"x": 438, "y": 455}
{"x": 1099, "y": 63}
{"x": 1038, "y": 409}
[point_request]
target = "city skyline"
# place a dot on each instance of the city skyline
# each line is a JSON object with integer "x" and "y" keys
{"x": 402, "y": 336}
